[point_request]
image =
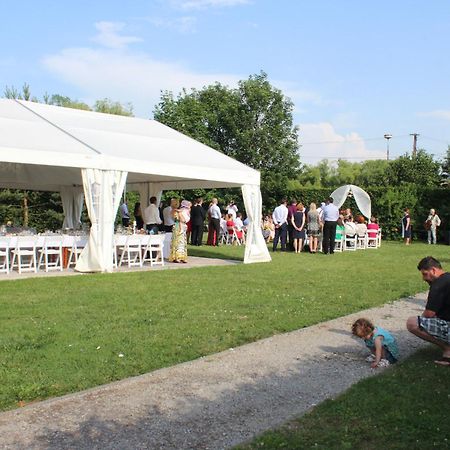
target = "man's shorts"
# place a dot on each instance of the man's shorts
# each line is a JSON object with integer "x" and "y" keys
{"x": 438, "y": 328}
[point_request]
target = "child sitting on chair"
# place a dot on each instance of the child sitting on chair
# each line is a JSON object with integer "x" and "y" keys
{"x": 381, "y": 343}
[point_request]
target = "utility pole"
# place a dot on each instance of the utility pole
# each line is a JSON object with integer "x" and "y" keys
{"x": 414, "y": 151}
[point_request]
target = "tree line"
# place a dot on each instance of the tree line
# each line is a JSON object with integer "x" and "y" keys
{"x": 252, "y": 123}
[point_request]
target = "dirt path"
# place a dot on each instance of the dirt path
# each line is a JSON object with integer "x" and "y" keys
{"x": 214, "y": 402}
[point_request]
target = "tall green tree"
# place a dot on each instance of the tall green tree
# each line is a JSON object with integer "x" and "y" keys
{"x": 421, "y": 169}
{"x": 252, "y": 123}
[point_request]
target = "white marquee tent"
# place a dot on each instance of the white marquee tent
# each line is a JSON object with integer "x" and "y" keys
{"x": 70, "y": 151}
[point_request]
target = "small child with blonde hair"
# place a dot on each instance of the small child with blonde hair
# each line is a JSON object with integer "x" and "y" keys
{"x": 381, "y": 343}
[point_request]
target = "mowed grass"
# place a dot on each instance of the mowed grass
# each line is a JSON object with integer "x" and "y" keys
{"x": 406, "y": 407}
{"x": 65, "y": 334}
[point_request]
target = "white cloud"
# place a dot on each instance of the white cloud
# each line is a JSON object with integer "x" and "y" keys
{"x": 321, "y": 140}
{"x": 126, "y": 76}
{"x": 109, "y": 35}
{"x": 438, "y": 114}
{"x": 203, "y": 4}
{"x": 183, "y": 25}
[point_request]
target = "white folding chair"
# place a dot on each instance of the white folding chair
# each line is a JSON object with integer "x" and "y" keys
{"x": 118, "y": 248}
{"x": 131, "y": 253}
{"x": 339, "y": 244}
{"x": 51, "y": 253}
{"x": 372, "y": 239}
{"x": 24, "y": 255}
{"x": 236, "y": 239}
{"x": 145, "y": 243}
{"x": 351, "y": 243}
{"x": 361, "y": 241}
{"x": 156, "y": 250}
{"x": 379, "y": 238}
{"x": 4, "y": 255}
{"x": 78, "y": 244}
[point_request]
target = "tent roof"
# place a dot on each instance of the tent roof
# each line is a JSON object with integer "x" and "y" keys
{"x": 43, "y": 147}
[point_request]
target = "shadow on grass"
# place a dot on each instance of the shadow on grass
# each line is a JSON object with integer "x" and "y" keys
{"x": 205, "y": 410}
{"x": 213, "y": 252}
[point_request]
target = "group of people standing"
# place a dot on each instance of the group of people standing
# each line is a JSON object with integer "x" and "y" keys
{"x": 296, "y": 222}
{"x": 186, "y": 222}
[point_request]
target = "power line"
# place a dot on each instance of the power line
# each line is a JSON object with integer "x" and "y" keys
{"x": 351, "y": 140}
{"x": 437, "y": 140}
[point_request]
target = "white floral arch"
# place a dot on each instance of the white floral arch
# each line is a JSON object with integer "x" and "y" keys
{"x": 361, "y": 197}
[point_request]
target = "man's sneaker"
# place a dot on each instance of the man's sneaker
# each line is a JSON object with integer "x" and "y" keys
{"x": 370, "y": 358}
{"x": 384, "y": 363}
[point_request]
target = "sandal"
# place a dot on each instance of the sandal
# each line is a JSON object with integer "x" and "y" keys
{"x": 444, "y": 361}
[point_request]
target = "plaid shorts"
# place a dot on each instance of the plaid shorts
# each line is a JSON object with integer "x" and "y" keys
{"x": 438, "y": 328}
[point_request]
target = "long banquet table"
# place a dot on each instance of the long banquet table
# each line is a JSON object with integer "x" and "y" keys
{"x": 71, "y": 241}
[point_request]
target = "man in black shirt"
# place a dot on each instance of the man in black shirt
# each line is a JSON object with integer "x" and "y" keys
{"x": 198, "y": 215}
{"x": 434, "y": 323}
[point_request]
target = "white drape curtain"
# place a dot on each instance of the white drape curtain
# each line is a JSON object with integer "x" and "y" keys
{"x": 255, "y": 247}
{"x": 147, "y": 190}
{"x": 361, "y": 197}
{"x": 78, "y": 201}
{"x": 102, "y": 190}
{"x": 67, "y": 204}
{"x": 72, "y": 198}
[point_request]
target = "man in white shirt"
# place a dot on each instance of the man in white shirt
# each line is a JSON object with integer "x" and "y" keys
{"x": 215, "y": 216}
{"x": 168, "y": 216}
{"x": 151, "y": 217}
{"x": 330, "y": 217}
{"x": 279, "y": 216}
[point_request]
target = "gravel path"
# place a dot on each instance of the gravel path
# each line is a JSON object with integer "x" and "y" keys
{"x": 214, "y": 402}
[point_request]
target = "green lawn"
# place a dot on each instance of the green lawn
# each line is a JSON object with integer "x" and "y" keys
{"x": 64, "y": 334}
{"x": 406, "y": 407}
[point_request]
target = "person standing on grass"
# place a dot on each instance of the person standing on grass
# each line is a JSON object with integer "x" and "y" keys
{"x": 406, "y": 227}
{"x": 298, "y": 221}
{"x": 214, "y": 223}
{"x": 330, "y": 217}
{"x": 279, "y": 216}
{"x": 432, "y": 223}
{"x": 292, "y": 209}
{"x": 313, "y": 225}
{"x": 178, "y": 249}
{"x": 198, "y": 215}
{"x": 434, "y": 323}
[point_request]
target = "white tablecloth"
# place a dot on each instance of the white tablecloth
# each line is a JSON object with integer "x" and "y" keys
{"x": 68, "y": 241}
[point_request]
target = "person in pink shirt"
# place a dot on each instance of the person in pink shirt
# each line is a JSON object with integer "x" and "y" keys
{"x": 372, "y": 227}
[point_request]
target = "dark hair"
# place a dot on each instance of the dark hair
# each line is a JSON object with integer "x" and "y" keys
{"x": 428, "y": 263}
{"x": 152, "y": 199}
{"x": 284, "y": 200}
{"x": 330, "y": 199}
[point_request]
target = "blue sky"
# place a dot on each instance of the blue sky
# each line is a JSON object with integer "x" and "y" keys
{"x": 355, "y": 70}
